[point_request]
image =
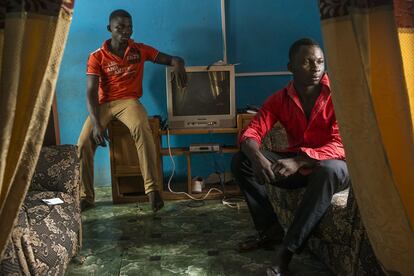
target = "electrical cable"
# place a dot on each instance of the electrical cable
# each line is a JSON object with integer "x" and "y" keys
{"x": 173, "y": 172}
{"x": 233, "y": 202}
{"x": 217, "y": 168}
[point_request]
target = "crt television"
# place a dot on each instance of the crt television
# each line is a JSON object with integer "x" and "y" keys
{"x": 208, "y": 101}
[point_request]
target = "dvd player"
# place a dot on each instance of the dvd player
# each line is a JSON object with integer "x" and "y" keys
{"x": 209, "y": 147}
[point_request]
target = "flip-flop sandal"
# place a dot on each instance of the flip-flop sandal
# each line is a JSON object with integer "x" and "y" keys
{"x": 276, "y": 271}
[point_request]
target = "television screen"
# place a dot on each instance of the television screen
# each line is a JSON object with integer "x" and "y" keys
{"x": 207, "y": 93}
{"x": 208, "y": 101}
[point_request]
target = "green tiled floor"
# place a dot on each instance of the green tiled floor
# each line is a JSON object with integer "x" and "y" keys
{"x": 128, "y": 239}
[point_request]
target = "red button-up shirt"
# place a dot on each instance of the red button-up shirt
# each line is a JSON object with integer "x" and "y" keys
{"x": 318, "y": 138}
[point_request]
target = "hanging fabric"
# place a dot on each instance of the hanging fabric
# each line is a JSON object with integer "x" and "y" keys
{"x": 33, "y": 35}
{"x": 370, "y": 57}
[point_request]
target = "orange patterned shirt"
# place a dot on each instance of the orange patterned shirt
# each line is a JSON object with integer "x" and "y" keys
{"x": 120, "y": 78}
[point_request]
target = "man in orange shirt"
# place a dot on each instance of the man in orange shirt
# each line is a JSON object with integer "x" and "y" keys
{"x": 114, "y": 85}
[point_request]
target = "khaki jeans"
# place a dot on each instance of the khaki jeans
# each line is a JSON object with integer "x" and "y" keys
{"x": 133, "y": 115}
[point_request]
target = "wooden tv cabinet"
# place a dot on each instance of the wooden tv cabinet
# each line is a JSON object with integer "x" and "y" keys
{"x": 127, "y": 182}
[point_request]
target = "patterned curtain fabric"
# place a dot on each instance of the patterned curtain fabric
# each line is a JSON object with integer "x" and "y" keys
{"x": 370, "y": 56}
{"x": 32, "y": 39}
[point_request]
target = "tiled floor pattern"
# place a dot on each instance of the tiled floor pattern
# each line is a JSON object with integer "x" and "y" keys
{"x": 128, "y": 239}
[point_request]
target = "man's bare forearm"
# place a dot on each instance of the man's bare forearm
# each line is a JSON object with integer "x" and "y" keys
{"x": 251, "y": 149}
{"x": 92, "y": 102}
{"x": 169, "y": 60}
{"x": 262, "y": 167}
{"x": 93, "y": 108}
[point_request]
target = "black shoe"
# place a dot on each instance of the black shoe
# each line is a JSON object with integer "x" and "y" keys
{"x": 276, "y": 271}
{"x": 281, "y": 266}
{"x": 265, "y": 239}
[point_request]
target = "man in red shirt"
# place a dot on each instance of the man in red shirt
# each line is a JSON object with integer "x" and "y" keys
{"x": 114, "y": 86}
{"x": 314, "y": 158}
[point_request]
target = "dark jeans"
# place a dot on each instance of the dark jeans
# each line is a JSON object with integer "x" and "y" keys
{"x": 327, "y": 178}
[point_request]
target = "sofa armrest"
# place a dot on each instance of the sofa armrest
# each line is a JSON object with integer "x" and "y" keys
{"x": 276, "y": 139}
{"x": 57, "y": 170}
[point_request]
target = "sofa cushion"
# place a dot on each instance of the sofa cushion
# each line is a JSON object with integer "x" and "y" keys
{"x": 45, "y": 237}
{"x": 53, "y": 232}
{"x": 336, "y": 225}
{"x": 275, "y": 139}
{"x": 56, "y": 169}
{"x": 37, "y": 210}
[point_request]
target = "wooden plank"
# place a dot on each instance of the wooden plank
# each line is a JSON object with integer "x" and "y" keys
{"x": 185, "y": 150}
{"x": 174, "y": 151}
{"x": 127, "y": 182}
{"x": 126, "y": 173}
{"x": 190, "y": 131}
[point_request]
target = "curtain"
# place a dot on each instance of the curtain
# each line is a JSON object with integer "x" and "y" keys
{"x": 370, "y": 58}
{"x": 32, "y": 38}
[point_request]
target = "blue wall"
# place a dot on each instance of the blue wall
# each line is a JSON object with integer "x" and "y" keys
{"x": 258, "y": 37}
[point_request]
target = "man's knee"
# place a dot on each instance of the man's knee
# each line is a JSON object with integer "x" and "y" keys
{"x": 335, "y": 171}
{"x": 334, "y": 167}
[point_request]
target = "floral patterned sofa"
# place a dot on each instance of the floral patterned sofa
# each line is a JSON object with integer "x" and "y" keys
{"x": 340, "y": 240}
{"x": 45, "y": 237}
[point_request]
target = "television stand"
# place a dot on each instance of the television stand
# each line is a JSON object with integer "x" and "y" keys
{"x": 242, "y": 121}
{"x": 127, "y": 182}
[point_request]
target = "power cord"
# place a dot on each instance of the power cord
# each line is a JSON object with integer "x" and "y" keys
{"x": 231, "y": 202}
{"x": 234, "y": 202}
{"x": 173, "y": 172}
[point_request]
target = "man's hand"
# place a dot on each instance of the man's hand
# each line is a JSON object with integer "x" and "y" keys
{"x": 178, "y": 65}
{"x": 286, "y": 167}
{"x": 99, "y": 135}
{"x": 179, "y": 71}
{"x": 262, "y": 169}
{"x": 261, "y": 166}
